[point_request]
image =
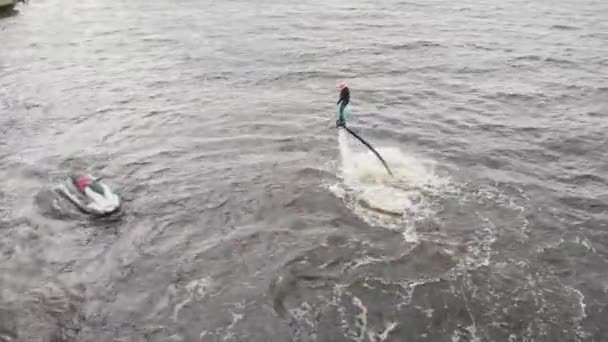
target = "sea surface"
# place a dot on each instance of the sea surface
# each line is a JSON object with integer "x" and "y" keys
{"x": 248, "y": 216}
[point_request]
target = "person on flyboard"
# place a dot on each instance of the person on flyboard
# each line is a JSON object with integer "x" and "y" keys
{"x": 343, "y": 102}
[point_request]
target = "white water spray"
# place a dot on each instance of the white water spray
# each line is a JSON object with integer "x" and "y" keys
{"x": 392, "y": 202}
{"x": 346, "y": 157}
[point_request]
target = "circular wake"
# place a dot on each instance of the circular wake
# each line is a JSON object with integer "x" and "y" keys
{"x": 381, "y": 199}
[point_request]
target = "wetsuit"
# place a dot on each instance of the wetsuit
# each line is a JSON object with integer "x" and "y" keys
{"x": 343, "y": 102}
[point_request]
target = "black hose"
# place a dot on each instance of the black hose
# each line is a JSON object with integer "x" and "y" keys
{"x": 370, "y": 147}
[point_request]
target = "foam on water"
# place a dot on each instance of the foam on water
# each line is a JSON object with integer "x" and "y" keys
{"x": 196, "y": 290}
{"x": 380, "y": 199}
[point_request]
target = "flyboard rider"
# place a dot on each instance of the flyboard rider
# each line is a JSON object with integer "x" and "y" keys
{"x": 343, "y": 102}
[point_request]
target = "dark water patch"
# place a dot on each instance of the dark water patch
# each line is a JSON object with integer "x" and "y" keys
{"x": 585, "y": 179}
{"x": 601, "y": 91}
{"x": 499, "y": 128}
{"x": 534, "y": 58}
{"x": 514, "y": 97}
{"x": 293, "y": 39}
{"x": 584, "y": 204}
{"x": 565, "y": 27}
{"x": 475, "y": 70}
{"x": 536, "y": 155}
{"x": 414, "y": 45}
{"x": 578, "y": 145}
{"x": 153, "y": 113}
{"x": 306, "y": 27}
{"x": 159, "y": 40}
{"x": 561, "y": 61}
{"x": 482, "y": 47}
{"x": 598, "y": 114}
{"x": 595, "y": 316}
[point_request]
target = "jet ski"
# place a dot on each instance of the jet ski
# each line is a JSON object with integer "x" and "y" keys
{"x": 90, "y": 195}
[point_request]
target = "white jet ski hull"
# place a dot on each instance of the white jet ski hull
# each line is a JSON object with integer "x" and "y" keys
{"x": 92, "y": 202}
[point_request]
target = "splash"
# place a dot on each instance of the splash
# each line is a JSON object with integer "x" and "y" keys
{"x": 381, "y": 199}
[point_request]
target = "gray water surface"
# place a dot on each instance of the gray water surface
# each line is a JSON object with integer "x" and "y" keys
{"x": 213, "y": 120}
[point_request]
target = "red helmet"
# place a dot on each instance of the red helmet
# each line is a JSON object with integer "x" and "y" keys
{"x": 343, "y": 85}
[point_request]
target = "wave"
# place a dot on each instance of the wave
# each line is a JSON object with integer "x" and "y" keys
{"x": 565, "y": 27}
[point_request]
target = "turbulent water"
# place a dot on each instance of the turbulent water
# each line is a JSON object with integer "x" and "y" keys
{"x": 248, "y": 217}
